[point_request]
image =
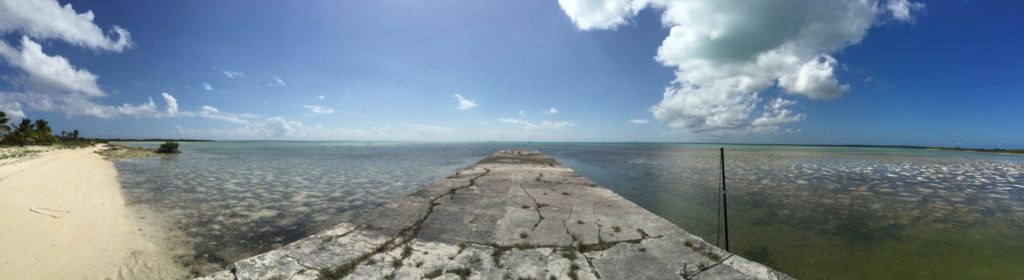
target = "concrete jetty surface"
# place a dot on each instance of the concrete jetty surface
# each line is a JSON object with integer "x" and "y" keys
{"x": 513, "y": 215}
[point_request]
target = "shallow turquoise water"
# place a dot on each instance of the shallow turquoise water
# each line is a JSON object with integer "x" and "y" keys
{"x": 812, "y": 212}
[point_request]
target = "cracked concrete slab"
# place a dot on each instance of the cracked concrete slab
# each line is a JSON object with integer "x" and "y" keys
{"x": 513, "y": 215}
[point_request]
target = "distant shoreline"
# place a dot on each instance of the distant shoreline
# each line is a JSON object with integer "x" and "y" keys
{"x": 960, "y": 149}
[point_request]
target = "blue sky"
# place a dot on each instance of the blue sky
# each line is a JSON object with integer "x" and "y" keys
{"x": 891, "y": 72}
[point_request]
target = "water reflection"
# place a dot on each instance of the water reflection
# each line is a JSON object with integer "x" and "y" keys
{"x": 820, "y": 212}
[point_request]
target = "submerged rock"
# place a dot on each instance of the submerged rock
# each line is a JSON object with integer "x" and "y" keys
{"x": 115, "y": 152}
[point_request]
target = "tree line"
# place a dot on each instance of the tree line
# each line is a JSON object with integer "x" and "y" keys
{"x": 28, "y": 132}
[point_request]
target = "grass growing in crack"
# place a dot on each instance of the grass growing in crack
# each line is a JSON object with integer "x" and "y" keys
{"x": 433, "y": 273}
{"x": 703, "y": 251}
{"x": 569, "y": 254}
{"x": 496, "y": 255}
{"x": 523, "y": 234}
{"x": 419, "y": 264}
{"x": 523, "y": 246}
{"x": 713, "y": 257}
{"x": 572, "y": 272}
{"x": 616, "y": 229}
{"x": 462, "y": 247}
{"x": 579, "y": 222}
{"x": 337, "y": 272}
{"x": 462, "y": 272}
{"x": 406, "y": 252}
{"x": 565, "y": 193}
{"x": 526, "y": 207}
{"x": 552, "y": 277}
{"x": 643, "y": 234}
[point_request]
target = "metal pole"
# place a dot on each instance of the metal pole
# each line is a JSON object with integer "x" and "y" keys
{"x": 725, "y": 202}
{"x": 718, "y": 218}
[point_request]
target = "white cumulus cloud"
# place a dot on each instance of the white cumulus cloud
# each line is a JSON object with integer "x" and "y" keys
{"x": 47, "y": 74}
{"x": 607, "y": 14}
{"x": 50, "y": 83}
{"x": 207, "y": 87}
{"x": 47, "y": 19}
{"x": 902, "y": 10}
{"x": 464, "y": 104}
{"x": 551, "y": 111}
{"x": 172, "y": 103}
{"x": 726, "y": 52}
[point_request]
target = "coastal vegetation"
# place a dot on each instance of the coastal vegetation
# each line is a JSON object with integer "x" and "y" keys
{"x": 169, "y": 147}
{"x": 40, "y": 135}
{"x": 38, "y": 132}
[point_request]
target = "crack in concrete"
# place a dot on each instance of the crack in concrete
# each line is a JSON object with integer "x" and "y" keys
{"x": 536, "y": 207}
{"x": 336, "y": 237}
{"x": 405, "y": 236}
{"x": 297, "y": 261}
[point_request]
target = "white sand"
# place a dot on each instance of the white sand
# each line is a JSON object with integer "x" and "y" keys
{"x": 62, "y": 216}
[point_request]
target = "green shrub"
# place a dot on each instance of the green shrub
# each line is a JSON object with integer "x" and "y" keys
{"x": 168, "y": 147}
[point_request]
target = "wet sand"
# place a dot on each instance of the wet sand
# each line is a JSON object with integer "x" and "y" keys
{"x": 64, "y": 217}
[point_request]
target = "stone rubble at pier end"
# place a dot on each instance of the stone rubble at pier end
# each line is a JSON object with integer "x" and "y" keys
{"x": 513, "y": 215}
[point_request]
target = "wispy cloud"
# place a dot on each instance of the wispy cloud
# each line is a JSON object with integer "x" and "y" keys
{"x": 207, "y": 87}
{"x": 423, "y": 130}
{"x": 321, "y": 97}
{"x": 233, "y": 74}
{"x": 277, "y": 82}
{"x": 551, "y": 111}
{"x": 543, "y": 124}
{"x": 316, "y": 109}
{"x": 465, "y": 104}
{"x": 639, "y": 121}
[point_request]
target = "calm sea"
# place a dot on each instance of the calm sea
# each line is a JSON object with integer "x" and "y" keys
{"x": 812, "y": 212}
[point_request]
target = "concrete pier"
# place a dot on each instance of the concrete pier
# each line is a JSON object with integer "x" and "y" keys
{"x": 513, "y": 215}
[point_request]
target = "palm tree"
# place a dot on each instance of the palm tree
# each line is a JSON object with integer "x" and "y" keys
{"x": 25, "y": 132}
{"x": 4, "y": 129}
{"x": 43, "y": 133}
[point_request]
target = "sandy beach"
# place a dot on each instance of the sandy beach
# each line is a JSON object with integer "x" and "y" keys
{"x": 64, "y": 217}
